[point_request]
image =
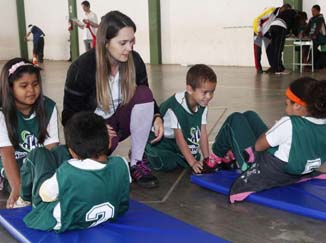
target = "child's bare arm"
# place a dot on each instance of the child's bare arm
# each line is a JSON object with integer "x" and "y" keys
{"x": 183, "y": 146}
{"x": 261, "y": 143}
{"x": 51, "y": 145}
{"x": 12, "y": 173}
{"x": 204, "y": 141}
{"x": 49, "y": 190}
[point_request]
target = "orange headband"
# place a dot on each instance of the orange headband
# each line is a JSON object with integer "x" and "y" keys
{"x": 294, "y": 98}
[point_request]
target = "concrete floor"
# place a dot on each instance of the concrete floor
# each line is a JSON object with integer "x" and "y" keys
{"x": 238, "y": 89}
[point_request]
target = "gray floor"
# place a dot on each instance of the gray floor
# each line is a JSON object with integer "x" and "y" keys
{"x": 238, "y": 89}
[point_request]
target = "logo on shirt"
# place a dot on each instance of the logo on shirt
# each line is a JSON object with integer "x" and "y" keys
{"x": 194, "y": 139}
{"x": 30, "y": 142}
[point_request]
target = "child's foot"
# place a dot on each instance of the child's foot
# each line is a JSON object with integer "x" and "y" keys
{"x": 249, "y": 155}
{"x": 229, "y": 157}
{"x": 21, "y": 203}
{"x": 141, "y": 174}
{"x": 211, "y": 163}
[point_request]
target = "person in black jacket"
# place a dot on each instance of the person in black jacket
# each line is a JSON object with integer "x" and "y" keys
{"x": 285, "y": 22}
{"x": 111, "y": 80}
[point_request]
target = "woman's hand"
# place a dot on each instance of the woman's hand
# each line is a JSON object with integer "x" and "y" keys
{"x": 112, "y": 133}
{"x": 197, "y": 167}
{"x": 158, "y": 129}
{"x": 12, "y": 199}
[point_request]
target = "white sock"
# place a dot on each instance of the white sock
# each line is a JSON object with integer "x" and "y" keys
{"x": 140, "y": 125}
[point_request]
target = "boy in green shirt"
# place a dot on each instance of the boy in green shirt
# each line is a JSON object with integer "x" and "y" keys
{"x": 185, "y": 119}
{"x": 85, "y": 190}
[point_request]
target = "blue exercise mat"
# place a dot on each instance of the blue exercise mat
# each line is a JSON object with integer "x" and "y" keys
{"x": 140, "y": 224}
{"x": 304, "y": 198}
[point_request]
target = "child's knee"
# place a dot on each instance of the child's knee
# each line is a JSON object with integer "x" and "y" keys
{"x": 143, "y": 94}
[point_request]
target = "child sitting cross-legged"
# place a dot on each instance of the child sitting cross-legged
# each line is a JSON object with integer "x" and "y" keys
{"x": 81, "y": 192}
{"x": 185, "y": 119}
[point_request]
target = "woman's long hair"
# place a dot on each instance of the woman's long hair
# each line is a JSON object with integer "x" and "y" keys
{"x": 110, "y": 25}
{"x": 7, "y": 99}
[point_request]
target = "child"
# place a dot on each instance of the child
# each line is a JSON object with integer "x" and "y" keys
{"x": 236, "y": 138}
{"x": 185, "y": 118}
{"x": 84, "y": 191}
{"x": 27, "y": 120}
{"x": 294, "y": 148}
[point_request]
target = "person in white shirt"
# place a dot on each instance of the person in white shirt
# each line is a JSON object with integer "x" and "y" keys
{"x": 90, "y": 25}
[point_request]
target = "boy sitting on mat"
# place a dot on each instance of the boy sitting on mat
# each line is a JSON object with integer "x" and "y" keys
{"x": 84, "y": 191}
{"x": 292, "y": 150}
{"x": 185, "y": 119}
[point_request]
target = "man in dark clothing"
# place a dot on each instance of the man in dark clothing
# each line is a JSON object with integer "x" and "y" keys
{"x": 38, "y": 43}
{"x": 285, "y": 22}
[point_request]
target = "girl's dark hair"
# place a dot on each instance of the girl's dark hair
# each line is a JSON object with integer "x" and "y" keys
{"x": 86, "y": 134}
{"x": 7, "y": 99}
{"x": 316, "y": 99}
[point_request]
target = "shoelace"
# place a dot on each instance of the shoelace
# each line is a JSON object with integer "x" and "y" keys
{"x": 140, "y": 170}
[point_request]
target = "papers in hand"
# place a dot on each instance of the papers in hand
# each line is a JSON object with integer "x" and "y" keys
{"x": 77, "y": 21}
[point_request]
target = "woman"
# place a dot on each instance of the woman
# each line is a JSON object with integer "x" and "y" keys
{"x": 112, "y": 81}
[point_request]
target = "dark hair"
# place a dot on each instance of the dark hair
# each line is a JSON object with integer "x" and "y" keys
{"x": 198, "y": 74}
{"x": 86, "y": 3}
{"x": 316, "y": 99}
{"x": 7, "y": 99}
{"x": 86, "y": 134}
{"x": 286, "y": 6}
{"x": 317, "y": 7}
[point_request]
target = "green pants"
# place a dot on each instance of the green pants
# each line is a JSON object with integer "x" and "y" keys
{"x": 238, "y": 132}
{"x": 165, "y": 155}
{"x": 40, "y": 165}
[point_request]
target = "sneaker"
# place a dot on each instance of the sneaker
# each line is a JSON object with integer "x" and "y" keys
{"x": 211, "y": 163}
{"x": 269, "y": 70}
{"x": 229, "y": 157}
{"x": 21, "y": 203}
{"x": 259, "y": 71}
{"x": 209, "y": 166}
{"x": 141, "y": 174}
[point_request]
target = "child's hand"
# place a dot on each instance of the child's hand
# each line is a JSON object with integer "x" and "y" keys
{"x": 158, "y": 129}
{"x": 12, "y": 199}
{"x": 111, "y": 133}
{"x": 197, "y": 167}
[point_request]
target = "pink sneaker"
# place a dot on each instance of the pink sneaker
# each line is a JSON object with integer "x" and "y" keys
{"x": 229, "y": 157}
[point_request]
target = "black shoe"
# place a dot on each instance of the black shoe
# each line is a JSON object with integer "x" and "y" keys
{"x": 143, "y": 176}
{"x": 269, "y": 70}
{"x": 260, "y": 71}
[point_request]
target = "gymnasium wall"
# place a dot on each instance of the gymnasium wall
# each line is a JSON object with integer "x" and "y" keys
{"x": 9, "y": 42}
{"x": 307, "y": 4}
{"x": 208, "y": 31}
{"x": 137, "y": 10}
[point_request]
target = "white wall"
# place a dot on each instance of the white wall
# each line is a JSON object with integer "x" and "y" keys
{"x": 51, "y": 17}
{"x": 9, "y": 42}
{"x": 215, "y": 32}
{"x": 202, "y": 31}
{"x": 137, "y": 10}
{"x": 307, "y": 4}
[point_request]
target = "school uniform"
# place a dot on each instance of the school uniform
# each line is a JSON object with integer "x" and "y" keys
{"x": 165, "y": 155}
{"x": 238, "y": 132}
{"x": 27, "y": 132}
{"x": 77, "y": 195}
{"x": 297, "y": 150}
